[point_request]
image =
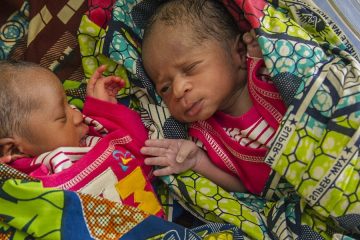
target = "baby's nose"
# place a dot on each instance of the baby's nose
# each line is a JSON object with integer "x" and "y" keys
{"x": 77, "y": 117}
{"x": 180, "y": 87}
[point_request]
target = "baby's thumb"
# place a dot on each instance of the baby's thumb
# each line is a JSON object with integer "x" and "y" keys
{"x": 184, "y": 151}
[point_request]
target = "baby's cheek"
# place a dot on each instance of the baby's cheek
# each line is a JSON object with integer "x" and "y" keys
{"x": 173, "y": 108}
{"x": 177, "y": 113}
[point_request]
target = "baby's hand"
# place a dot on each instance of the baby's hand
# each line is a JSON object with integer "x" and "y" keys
{"x": 5, "y": 159}
{"x": 252, "y": 45}
{"x": 104, "y": 88}
{"x": 174, "y": 155}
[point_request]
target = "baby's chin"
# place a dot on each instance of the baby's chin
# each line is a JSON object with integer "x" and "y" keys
{"x": 191, "y": 119}
{"x": 82, "y": 142}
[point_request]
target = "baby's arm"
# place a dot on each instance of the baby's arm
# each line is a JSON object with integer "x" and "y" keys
{"x": 104, "y": 88}
{"x": 252, "y": 46}
{"x": 177, "y": 156}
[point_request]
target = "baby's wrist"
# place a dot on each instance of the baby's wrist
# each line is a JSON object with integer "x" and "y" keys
{"x": 195, "y": 166}
{"x": 199, "y": 158}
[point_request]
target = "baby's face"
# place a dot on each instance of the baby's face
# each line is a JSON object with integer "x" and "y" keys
{"x": 194, "y": 80}
{"x": 54, "y": 124}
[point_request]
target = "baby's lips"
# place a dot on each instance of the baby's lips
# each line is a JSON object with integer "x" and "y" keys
{"x": 83, "y": 142}
{"x": 84, "y": 135}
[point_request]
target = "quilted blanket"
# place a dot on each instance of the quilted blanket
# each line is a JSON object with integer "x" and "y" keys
{"x": 313, "y": 191}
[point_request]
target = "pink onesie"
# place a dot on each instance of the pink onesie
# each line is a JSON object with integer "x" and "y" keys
{"x": 238, "y": 144}
{"x": 110, "y": 166}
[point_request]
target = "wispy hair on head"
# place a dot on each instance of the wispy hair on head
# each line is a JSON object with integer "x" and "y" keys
{"x": 208, "y": 18}
{"x": 15, "y": 104}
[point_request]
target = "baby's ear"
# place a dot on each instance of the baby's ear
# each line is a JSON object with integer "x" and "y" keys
{"x": 240, "y": 51}
{"x": 9, "y": 150}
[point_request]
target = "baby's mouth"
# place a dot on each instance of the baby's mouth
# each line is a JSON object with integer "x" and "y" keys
{"x": 195, "y": 108}
{"x": 83, "y": 141}
{"x": 84, "y": 135}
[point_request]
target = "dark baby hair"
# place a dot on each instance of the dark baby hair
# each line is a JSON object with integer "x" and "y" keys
{"x": 208, "y": 18}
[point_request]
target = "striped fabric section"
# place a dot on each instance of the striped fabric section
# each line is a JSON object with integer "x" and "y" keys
{"x": 64, "y": 157}
{"x": 97, "y": 126}
{"x": 258, "y": 135}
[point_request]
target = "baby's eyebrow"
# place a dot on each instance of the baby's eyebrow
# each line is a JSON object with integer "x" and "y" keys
{"x": 160, "y": 81}
{"x": 192, "y": 64}
{"x": 60, "y": 117}
{"x": 59, "y": 112}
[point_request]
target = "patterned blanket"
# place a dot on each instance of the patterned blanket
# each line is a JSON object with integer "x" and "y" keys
{"x": 313, "y": 191}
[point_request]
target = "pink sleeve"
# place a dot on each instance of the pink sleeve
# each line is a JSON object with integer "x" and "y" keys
{"x": 24, "y": 165}
{"x": 115, "y": 116}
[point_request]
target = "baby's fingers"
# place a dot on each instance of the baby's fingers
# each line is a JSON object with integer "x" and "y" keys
{"x": 248, "y": 38}
{"x": 113, "y": 81}
{"x": 160, "y": 143}
{"x": 157, "y": 161}
{"x": 153, "y": 151}
{"x": 163, "y": 171}
{"x": 167, "y": 167}
{"x": 252, "y": 44}
{"x": 253, "y": 33}
{"x": 92, "y": 81}
{"x": 186, "y": 149}
{"x": 97, "y": 74}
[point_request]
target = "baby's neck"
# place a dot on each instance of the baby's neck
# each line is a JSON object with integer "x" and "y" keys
{"x": 240, "y": 103}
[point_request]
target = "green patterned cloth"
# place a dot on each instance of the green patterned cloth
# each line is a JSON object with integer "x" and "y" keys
{"x": 313, "y": 190}
{"x": 318, "y": 78}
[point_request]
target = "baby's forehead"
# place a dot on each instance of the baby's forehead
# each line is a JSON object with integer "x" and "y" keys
{"x": 40, "y": 71}
{"x": 185, "y": 33}
{"x": 39, "y": 75}
{"x": 39, "y": 81}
